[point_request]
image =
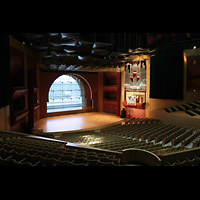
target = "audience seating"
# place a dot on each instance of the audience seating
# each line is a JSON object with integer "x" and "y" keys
{"x": 182, "y": 158}
{"x": 165, "y": 134}
{"x": 146, "y": 135}
{"x": 168, "y": 138}
{"x": 102, "y": 147}
{"x": 24, "y": 151}
{"x": 190, "y": 138}
{"x": 131, "y": 135}
{"x": 191, "y": 108}
{"x": 182, "y": 136}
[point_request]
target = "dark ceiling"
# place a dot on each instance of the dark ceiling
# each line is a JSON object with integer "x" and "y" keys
{"x": 81, "y": 51}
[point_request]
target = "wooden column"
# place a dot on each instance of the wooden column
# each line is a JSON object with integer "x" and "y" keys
{"x": 5, "y": 84}
{"x": 31, "y": 84}
{"x": 118, "y": 93}
{"x": 100, "y": 92}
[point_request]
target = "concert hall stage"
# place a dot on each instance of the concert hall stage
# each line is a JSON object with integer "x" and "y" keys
{"x": 76, "y": 122}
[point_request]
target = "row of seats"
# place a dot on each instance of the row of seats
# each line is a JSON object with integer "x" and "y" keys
{"x": 181, "y": 137}
{"x": 24, "y": 151}
{"x": 24, "y": 159}
{"x": 192, "y": 137}
{"x": 168, "y": 149}
{"x": 173, "y": 135}
{"x": 196, "y": 142}
{"x": 156, "y": 132}
{"x": 192, "y": 108}
{"x": 186, "y": 161}
{"x": 132, "y": 130}
{"x": 120, "y": 137}
{"x": 140, "y": 121}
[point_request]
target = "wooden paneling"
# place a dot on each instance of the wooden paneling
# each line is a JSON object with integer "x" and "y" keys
{"x": 112, "y": 92}
{"x": 22, "y": 61}
{"x": 109, "y": 106}
{"x": 100, "y": 91}
{"x": 5, "y": 118}
{"x": 5, "y": 84}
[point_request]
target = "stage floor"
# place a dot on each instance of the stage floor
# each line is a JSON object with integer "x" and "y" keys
{"x": 74, "y": 122}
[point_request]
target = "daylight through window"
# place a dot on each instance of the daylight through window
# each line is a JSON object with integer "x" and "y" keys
{"x": 67, "y": 93}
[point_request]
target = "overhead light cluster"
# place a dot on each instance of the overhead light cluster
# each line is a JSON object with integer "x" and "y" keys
{"x": 61, "y": 51}
{"x": 95, "y": 51}
{"x": 69, "y": 49}
{"x": 86, "y": 68}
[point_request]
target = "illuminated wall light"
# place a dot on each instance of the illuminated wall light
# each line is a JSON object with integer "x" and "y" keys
{"x": 194, "y": 47}
{"x": 184, "y": 56}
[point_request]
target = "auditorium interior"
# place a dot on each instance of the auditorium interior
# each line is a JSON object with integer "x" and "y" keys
{"x": 100, "y": 99}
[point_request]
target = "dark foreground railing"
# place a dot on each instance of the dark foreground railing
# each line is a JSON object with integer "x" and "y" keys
{"x": 140, "y": 156}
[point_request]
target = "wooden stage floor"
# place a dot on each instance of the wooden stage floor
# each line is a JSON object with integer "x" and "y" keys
{"x": 74, "y": 122}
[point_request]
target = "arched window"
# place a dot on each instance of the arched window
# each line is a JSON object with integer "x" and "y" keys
{"x": 67, "y": 93}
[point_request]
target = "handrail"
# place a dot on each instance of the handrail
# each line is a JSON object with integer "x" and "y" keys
{"x": 142, "y": 156}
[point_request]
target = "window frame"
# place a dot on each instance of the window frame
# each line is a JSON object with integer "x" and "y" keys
{"x": 73, "y": 86}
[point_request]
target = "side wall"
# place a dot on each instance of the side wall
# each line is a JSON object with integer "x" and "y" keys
{"x": 179, "y": 118}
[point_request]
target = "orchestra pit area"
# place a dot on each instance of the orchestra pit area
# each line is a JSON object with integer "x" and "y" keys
{"x": 134, "y": 142}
